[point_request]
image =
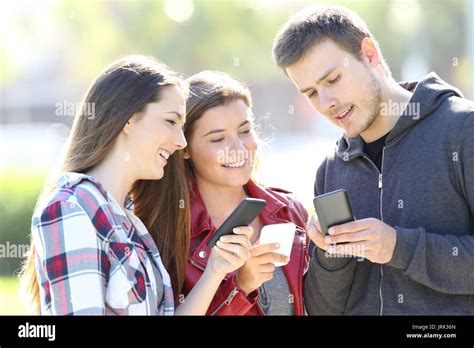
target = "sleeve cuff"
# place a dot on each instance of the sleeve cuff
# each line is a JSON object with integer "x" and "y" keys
{"x": 407, "y": 240}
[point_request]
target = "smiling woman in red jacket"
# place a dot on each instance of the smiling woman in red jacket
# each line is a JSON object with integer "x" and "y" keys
{"x": 220, "y": 159}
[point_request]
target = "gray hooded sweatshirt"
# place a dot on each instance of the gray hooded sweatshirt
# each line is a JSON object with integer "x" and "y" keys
{"x": 425, "y": 190}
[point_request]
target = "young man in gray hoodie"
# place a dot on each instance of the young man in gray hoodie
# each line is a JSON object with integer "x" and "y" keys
{"x": 406, "y": 159}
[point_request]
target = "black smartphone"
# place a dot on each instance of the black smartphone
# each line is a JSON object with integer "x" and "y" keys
{"x": 333, "y": 208}
{"x": 243, "y": 215}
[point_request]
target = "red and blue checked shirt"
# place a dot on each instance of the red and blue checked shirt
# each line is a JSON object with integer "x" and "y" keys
{"x": 94, "y": 257}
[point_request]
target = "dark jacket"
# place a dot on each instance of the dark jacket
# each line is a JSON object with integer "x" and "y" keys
{"x": 426, "y": 192}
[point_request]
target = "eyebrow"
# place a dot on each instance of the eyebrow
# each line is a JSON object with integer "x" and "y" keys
{"x": 180, "y": 116}
{"x": 222, "y": 130}
{"x": 326, "y": 74}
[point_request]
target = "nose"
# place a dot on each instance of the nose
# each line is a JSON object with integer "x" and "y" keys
{"x": 237, "y": 144}
{"x": 327, "y": 103}
{"x": 180, "y": 140}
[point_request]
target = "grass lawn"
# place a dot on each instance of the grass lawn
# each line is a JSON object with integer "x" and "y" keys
{"x": 9, "y": 300}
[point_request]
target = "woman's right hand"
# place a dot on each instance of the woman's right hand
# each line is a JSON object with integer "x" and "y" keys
{"x": 231, "y": 251}
{"x": 260, "y": 267}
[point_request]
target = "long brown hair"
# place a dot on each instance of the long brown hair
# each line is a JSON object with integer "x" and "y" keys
{"x": 123, "y": 89}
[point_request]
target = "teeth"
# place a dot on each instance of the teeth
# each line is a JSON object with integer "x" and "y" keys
{"x": 163, "y": 153}
{"x": 345, "y": 113}
{"x": 235, "y": 165}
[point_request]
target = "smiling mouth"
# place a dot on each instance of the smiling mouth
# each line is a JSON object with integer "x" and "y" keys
{"x": 344, "y": 116}
{"x": 164, "y": 155}
{"x": 240, "y": 164}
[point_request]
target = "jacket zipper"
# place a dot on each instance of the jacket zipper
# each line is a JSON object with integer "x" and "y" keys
{"x": 380, "y": 172}
{"x": 227, "y": 301}
{"x": 229, "y": 298}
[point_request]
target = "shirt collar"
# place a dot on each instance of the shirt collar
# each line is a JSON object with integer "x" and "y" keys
{"x": 71, "y": 179}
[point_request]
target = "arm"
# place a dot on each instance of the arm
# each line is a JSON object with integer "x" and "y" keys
{"x": 70, "y": 260}
{"x": 328, "y": 284}
{"x": 443, "y": 262}
{"x": 329, "y": 279}
{"x": 229, "y": 254}
{"x": 199, "y": 298}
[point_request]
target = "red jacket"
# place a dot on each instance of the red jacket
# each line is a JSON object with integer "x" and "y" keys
{"x": 230, "y": 299}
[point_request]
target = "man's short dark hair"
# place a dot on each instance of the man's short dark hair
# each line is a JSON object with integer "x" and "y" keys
{"x": 315, "y": 24}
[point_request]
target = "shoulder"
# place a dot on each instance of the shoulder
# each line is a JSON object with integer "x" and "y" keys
{"x": 74, "y": 197}
{"x": 454, "y": 114}
{"x": 290, "y": 200}
{"x": 453, "y": 122}
{"x": 459, "y": 105}
{"x": 283, "y": 195}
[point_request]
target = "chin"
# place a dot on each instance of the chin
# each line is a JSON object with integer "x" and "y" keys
{"x": 240, "y": 181}
{"x": 157, "y": 175}
{"x": 352, "y": 134}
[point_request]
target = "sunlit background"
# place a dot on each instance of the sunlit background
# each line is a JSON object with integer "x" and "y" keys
{"x": 51, "y": 50}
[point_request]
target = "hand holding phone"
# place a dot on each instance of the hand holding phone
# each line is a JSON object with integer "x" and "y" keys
{"x": 259, "y": 267}
{"x": 333, "y": 208}
{"x": 283, "y": 234}
{"x": 243, "y": 215}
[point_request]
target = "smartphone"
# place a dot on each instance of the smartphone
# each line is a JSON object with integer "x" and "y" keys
{"x": 243, "y": 215}
{"x": 333, "y": 208}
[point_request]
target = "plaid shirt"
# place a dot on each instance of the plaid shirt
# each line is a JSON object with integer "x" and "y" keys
{"x": 93, "y": 257}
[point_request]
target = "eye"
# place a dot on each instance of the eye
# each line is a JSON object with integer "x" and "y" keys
{"x": 171, "y": 122}
{"x": 247, "y": 131}
{"x": 217, "y": 140}
{"x": 335, "y": 80}
{"x": 311, "y": 95}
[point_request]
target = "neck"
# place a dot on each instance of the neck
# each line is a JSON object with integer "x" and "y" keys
{"x": 220, "y": 201}
{"x": 113, "y": 176}
{"x": 394, "y": 101}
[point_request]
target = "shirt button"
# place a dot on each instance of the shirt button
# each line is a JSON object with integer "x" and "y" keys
{"x": 202, "y": 254}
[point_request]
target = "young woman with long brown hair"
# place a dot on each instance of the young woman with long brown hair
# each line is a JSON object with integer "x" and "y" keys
{"x": 220, "y": 159}
{"x": 108, "y": 231}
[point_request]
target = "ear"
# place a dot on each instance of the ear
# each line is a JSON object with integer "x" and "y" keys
{"x": 127, "y": 127}
{"x": 369, "y": 51}
{"x": 186, "y": 153}
{"x": 130, "y": 123}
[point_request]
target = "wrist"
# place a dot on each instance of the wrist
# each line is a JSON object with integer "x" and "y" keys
{"x": 211, "y": 273}
{"x": 246, "y": 290}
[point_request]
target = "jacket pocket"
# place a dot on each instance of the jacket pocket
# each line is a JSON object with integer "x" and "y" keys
{"x": 127, "y": 283}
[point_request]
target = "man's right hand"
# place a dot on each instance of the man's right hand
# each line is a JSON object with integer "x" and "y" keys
{"x": 259, "y": 267}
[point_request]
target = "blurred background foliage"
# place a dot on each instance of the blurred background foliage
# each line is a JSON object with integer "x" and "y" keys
{"x": 233, "y": 36}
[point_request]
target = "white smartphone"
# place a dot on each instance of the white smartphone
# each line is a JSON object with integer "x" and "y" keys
{"x": 284, "y": 234}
